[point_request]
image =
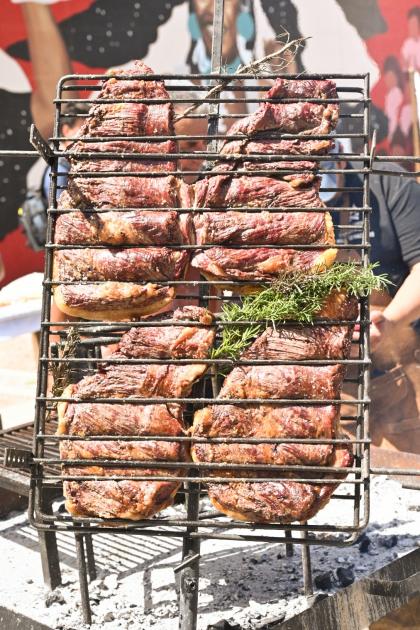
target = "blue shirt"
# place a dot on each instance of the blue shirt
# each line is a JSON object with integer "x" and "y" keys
{"x": 63, "y": 165}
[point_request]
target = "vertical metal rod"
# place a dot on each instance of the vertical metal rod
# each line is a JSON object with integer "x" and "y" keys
{"x": 365, "y": 310}
{"x": 42, "y": 378}
{"x": 307, "y": 569}
{"x": 83, "y": 581}
{"x": 90, "y": 556}
{"x": 189, "y": 575}
{"x": 50, "y": 559}
{"x": 289, "y": 545}
{"x": 214, "y": 110}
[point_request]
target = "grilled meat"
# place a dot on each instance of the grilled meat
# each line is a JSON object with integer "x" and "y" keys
{"x": 142, "y": 381}
{"x": 121, "y": 265}
{"x": 283, "y": 381}
{"x": 260, "y": 144}
{"x": 263, "y": 228}
{"x": 300, "y": 117}
{"x": 86, "y": 419}
{"x": 130, "y": 119}
{"x": 222, "y": 263}
{"x": 112, "y": 300}
{"x": 120, "y": 228}
{"x": 171, "y": 342}
{"x": 297, "y": 343}
{"x": 126, "y": 498}
{"x": 264, "y": 421}
{"x": 278, "y": 501}
{"x": 226, "y": 191}
{"x": 124, "y": 192}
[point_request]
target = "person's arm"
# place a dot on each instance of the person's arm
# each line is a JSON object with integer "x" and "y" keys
{"x": 402, "y": 310}
{"x": 403, "y": 200}
{"x": 49, "y": 59}
{"x": 2, "y": 269}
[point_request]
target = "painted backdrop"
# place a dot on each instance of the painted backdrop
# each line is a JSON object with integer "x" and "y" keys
{"x": 39, "y": 42}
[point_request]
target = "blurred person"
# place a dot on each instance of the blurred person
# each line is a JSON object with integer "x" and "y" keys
{"x": 238, "y": 34}
{"x": 394, "y": 98}
{"x": 410, "y": 51}
{"x": 49, "y": 58}
{"x": 2, "y": 269}
{"x": 395, "y": 344}
{"x": 72, "y": 120}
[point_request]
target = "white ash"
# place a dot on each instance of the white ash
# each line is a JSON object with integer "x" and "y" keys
{"x": 244, "y": 583}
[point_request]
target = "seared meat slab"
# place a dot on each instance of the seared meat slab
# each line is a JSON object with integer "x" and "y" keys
{"x": 112, "y": 300}
{"x": 264, "y": 421}
{"x": 277, "y": 501}
{"x": 283, "y": 381}
{"x": 122, "y": 265}
{"x": 171, "y": 342}
{"x": 131, "y": 499}
{"x": 263, "y": 228}
{"x": 222, "y": 263}
{"x": 225, "y": 191}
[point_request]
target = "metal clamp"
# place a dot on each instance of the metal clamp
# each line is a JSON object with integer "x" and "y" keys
{"x": 17, "y": 458}
{"x": 43, "y": 148}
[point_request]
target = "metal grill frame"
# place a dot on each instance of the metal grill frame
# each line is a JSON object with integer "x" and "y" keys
{"x": 193, "y": 527}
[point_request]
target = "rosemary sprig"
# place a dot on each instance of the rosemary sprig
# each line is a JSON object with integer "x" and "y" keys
{"x": 61, "y": 371}
{"x": 277, "y": 60}
{"x": 297, "y": 296}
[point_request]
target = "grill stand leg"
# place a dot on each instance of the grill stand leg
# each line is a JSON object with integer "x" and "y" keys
{"x": 289, "y": 545}
{"x": 307, "y": 570}
{"x": 90, "y": 557}
{"x": 189, "y": 575}
{"x": 48, "y": 549}
{"x": 83, "y": 580}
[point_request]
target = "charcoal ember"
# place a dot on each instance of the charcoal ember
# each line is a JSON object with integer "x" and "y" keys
{"x": 345, "y": 576}
{"x": 223, "y": 624}
{"x": 388, "y": 541}
{"x": 323, "y": 581}
{"x": 55, "y": 597}
{"x": 364, "y": 543}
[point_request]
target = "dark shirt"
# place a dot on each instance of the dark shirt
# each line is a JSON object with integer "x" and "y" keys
{"x": 394, "y": 223}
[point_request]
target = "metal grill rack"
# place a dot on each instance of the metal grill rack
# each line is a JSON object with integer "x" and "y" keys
{"x": 196, "y": 524}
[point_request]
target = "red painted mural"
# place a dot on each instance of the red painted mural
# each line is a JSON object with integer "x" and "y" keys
{"x": 379, "y": 36}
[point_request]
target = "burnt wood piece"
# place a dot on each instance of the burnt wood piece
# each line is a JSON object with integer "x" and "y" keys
{"x": 121, "y": 265}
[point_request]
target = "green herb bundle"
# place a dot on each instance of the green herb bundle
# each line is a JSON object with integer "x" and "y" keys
{"x": 293, "y": 296}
